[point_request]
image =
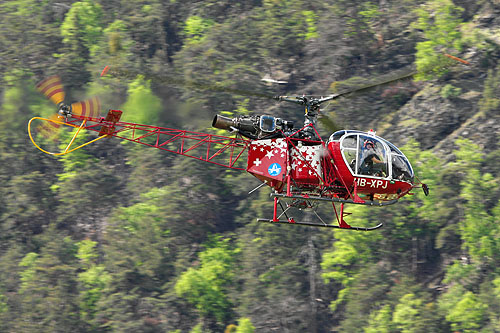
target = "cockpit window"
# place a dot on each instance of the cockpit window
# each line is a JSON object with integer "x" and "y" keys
{"x": 372, "y": 157}
{"x": 350, "y": 142}
{"x": 369, "y": 155}
{"x": 337, "y": 135}
{"x": 401, "y": 169}
{"x": 349, "y": 146}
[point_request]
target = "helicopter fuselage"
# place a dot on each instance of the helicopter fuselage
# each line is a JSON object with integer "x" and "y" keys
{"x": 322, "y": 170}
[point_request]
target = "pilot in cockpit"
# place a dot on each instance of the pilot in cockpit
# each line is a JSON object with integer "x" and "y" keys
{"x": 371, "y": 163}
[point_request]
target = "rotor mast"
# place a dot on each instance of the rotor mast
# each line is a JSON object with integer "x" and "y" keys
{"x": 311, "y": 110}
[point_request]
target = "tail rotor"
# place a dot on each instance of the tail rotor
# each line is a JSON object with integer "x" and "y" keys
{"x": 53, "y": 89}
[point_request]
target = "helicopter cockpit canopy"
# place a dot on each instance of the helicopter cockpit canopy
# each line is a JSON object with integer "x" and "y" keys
{"x": 366, "y": 154}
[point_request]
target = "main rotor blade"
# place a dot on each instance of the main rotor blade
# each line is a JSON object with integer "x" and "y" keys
{"x": 402, "y": 75}
{"x": 385, "y": 80}
{"x": 329, "y": 124}
{"x": 171, "y": 80}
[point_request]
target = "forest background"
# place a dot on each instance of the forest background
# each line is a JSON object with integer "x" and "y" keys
{"x": 121, "y": 238}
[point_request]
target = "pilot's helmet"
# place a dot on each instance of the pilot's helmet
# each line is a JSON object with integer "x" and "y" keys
{"x": 369, "y": 144}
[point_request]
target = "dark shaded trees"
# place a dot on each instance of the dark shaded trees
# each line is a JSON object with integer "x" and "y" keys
{"x": 116, "y": 237}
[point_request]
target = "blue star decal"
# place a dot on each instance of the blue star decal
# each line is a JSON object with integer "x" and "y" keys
{"x": 274, "y": 169}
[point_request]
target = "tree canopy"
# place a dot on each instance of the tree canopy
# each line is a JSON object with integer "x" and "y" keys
{"x": 117, "y": 237}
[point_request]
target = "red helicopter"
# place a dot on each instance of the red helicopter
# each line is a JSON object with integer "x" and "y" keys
{"x": 303, "y": 170}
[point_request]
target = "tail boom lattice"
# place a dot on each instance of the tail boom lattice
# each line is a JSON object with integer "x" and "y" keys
{"x": 216, "y": 149}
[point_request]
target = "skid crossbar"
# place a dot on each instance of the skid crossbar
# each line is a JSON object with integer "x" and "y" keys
{"x": 290, "y": 220}
{"x": 314, "y": 198}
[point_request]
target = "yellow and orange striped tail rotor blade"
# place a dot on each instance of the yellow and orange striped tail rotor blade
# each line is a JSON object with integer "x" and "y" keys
{"x": 90, "y": 108}
{"x": 49, "y": 129}
{"x": 52, "y": 88}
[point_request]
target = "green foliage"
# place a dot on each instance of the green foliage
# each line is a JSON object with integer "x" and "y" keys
{"x": 147, "y": 169}
{"x": 440, "y": 21}
{"x": 206, "y": 286}
{"x": 428, "y": 166}
{"x": 195, "y": 27}
{"x": 4, "y": 313}
{"x": 463, "y": 309}
{"x": 3, "y": 305}
{"x": 407, "y": 312}
{"x": 10, "y": 106}
{"x": 142, "y": 223}
{"x": 361, "y": 20}
{"x": 311, "y": 23}
{"x": 142, "y": 106}
{"x": 28, "y": 274}
{"x": 370, "y": 15}
{"x": 83, "y": 24}
{"x": 490, "y": 101}
{"x": 93, "y": 279}
{"x": 116, "y": 33}
{"x": 81, "y": 32}
{"x": 450, "y": 91}
{"x": 81, "y": 208}
{"x": 245, "y": 326}
{"x": 86, "y": 252}
{"x": 47, "y": 301}
{"x": 349, "y": 253}
{"x": 468, "y": 314}
{"x": 479, "y": 230}
{"x": 283, "y": 26}
{"x": 76, "y": 161}
{"x": 461, "y": 272}
{"x": 380, "y": 321}
{"x": 198, "y": 328}
{"x": 26, "y": 200}
{"x": 109, "y": 238}
{"x": 135, "y": 268}
{"x": 29, "y": 36}
{"x": 18, "y": 102}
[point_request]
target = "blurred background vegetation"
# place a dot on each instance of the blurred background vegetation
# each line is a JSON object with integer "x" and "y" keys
{"x": 121, "y": 238}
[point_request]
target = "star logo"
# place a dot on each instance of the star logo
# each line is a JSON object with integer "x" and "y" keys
{"x": 274, "y": 169}
{"x": 257, "y": 162}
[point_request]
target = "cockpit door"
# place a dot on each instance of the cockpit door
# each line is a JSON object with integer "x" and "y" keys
{"x": 349, "y": 147}
{"x": 365, "y": 155}
{"x": 372, "y": 157}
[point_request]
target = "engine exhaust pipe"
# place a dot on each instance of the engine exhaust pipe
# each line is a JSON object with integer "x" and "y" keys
{"x": 223, "y": 122}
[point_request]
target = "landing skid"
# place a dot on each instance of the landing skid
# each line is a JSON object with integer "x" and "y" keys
{"x": 342, "y": 224}
{"x": 317, "y": 225}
